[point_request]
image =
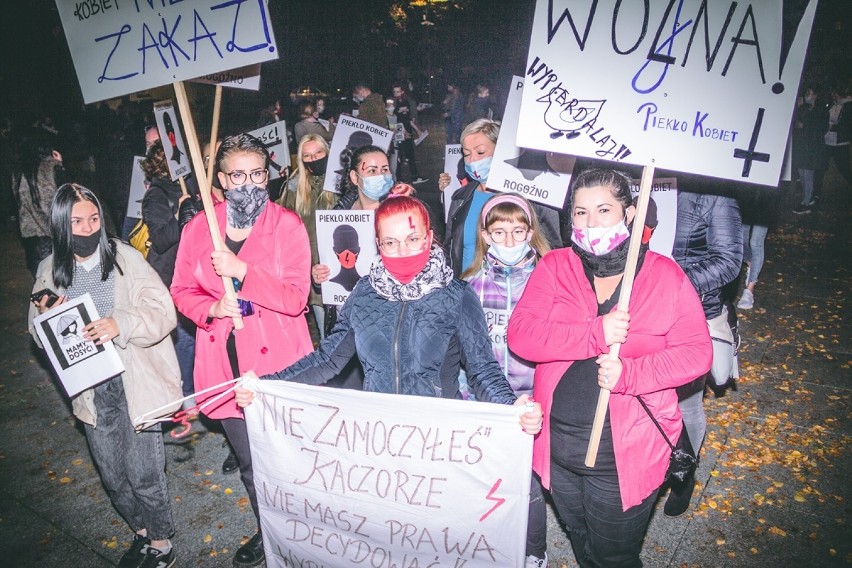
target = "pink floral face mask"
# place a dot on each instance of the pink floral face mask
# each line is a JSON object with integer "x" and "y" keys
{"x": 600, "y": 240}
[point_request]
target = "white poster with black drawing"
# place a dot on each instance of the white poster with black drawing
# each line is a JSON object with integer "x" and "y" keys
{"x": 177, "y": 157}
{"x": 274, "y": 138}
{"x": 537, "y": 175}
{"x": 453, "y": 165}
{"x": 347, "y": 246}
{"x": 78, "y": 362}
{"x": 137, "y": 189}
{"x": 352, "y": 133}
{"x": 692, "y": 86}
{"x": 664, "y": 197}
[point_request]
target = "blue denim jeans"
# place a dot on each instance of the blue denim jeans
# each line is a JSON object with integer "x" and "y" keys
{"x": 184, "y": 338}
{"x": 132, "y": 465}
{"x": 601, "y": 533}
{"x": 754, "y": 237}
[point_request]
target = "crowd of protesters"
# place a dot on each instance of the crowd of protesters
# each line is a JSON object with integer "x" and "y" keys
{"x": 555, "y": 274}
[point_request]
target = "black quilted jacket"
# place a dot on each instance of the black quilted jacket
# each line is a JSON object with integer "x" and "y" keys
{"x": 414, "y": 347}
{"x": 708, "y": 244}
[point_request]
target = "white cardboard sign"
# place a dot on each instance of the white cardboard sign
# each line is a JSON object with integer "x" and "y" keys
{"x": 246, "y": 78}
{"x": 346, "y": 241}
{"x": 121, "y": 47}
{"x": 453, "y": 165}
{"x": 78, "y": 362}
{"x": 274, "y": 138}
{"x": 352, "y": 133}
{"x": 174, "y": 147}
{"x": 524, "y": 171}
{"x": 693, "y": 86}
{"x": 664, "y": 194}
{"x": 351, "y": 478}
{"x": 137, "y": 189}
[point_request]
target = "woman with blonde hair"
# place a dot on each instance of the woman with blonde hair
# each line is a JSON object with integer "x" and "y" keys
{"x": 304, "y": 195}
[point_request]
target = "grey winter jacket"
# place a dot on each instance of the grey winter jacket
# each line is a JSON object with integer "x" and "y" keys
{"x": 411, "y": 347}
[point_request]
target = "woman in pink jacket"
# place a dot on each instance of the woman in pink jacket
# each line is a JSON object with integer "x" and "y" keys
{"x": 269, "y": 260}
{"x": 566, "y": 322}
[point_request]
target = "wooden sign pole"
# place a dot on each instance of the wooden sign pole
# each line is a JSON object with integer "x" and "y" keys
{"x": 203, "y": 184}
{"x": 623, "y": 303}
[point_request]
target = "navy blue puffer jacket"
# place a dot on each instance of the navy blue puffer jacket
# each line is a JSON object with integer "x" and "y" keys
{"x": 413, "y": 347}
{"x": 708, "y": 245}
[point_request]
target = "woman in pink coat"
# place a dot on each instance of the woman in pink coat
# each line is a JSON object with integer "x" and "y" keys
{"x": 566, "y": 322}
{"x": 269, "y": 260}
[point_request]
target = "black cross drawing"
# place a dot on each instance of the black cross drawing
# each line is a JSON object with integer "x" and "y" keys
{"x": 750, "y": 155}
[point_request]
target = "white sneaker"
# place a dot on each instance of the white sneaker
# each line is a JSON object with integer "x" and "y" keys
{"x": 746, "y": 300}
{"x": 536, "y": 562}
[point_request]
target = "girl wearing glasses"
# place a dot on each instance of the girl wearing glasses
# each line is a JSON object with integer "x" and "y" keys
{"x": 268, "y": 258}
{"x": 410, "y": 322}
{"x": 508, "y": 246}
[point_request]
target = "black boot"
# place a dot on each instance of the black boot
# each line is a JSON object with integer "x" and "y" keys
{"x": 679, "y": 497}
{"x": 720, "y": 390}
{"x": 251, "y": 553}
{"x": 230, "y": 465}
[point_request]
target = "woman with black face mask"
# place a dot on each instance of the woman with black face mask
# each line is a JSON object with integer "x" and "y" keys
{"x": 136, "y": 313}
{"x": 304, "y": 195}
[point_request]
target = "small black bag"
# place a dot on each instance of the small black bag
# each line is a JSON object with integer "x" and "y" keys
{"x": 682, "y": 462}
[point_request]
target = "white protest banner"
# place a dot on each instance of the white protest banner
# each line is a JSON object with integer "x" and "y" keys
{"x": 453, "y": 165}
{"x": 246, "y": 78}
{"x": 274, "y": 138}
{"x": 137, "y": 189}
{"x": 78, "y": 362}
{"x": 534, "y": 174}
{"x": 706, "y": 88}
{"x": 352, "y": 133}
{"x": 124, "y": 47}
{"x": 664, "y": 196}
{"x": 351, "y": 478}
{"x": 177, "y": 157}
{"x": 346, "y": 241}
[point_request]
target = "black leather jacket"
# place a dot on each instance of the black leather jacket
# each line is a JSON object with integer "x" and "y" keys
{"x": 708, "y": 244}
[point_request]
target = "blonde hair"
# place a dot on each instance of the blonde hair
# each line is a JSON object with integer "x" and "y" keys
{"x": 304, "y": 206}
{"x": 485, "y": 126}
{"x": 506, "y": 211}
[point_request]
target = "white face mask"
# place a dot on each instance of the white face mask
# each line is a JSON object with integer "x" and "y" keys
{"x": 600, "y": 240}
{"x": 510, "y": 256}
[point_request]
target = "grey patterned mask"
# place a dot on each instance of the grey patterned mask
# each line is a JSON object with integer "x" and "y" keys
{"x": 245, "y": 204}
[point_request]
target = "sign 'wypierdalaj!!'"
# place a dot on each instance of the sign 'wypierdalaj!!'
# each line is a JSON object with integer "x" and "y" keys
{"x": 688, "y": 85}
{"x": 124, "y": 46}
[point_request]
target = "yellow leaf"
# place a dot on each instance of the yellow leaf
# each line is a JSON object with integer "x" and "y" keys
{"x": 799, "y": 497}
{"x": 208, "y": 472}
{"x": 228, "y": 491}
{"x": 712, "y": 504}
{"x": 65, "y": 480}
{"x": 753, "y": 550}
{"x": 720, "y": 541}
{"x": 112, "y": 544}
{"x": 78, "y": 461}
{"x": 777, "y": 531}
{"x": 714, "y": 473}
{"x": 207, "y": 538}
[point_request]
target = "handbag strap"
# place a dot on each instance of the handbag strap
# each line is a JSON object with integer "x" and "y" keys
{"x": 657, "y": 424}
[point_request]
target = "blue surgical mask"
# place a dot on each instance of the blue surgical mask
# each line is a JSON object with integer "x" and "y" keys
{"x": 376, "y": 187}
{"x": 479, "y": 170}
{"x": 510, "y": 256}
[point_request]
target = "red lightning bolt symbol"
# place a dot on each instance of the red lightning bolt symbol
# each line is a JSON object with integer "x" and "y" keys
{"x": 497, "y": 500}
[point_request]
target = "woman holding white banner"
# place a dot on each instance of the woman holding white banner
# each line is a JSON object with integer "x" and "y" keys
{"x": 566, "y": 322}
{"x": 478, "y": 141}
{"x": 508, "y": 246}
{"x": 137, "y": 315}
{"x": 268, "y": 258}
{"x": 410, "y": 322}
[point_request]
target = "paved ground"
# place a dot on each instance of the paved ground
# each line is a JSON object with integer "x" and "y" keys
{"x": 773, "y": 484}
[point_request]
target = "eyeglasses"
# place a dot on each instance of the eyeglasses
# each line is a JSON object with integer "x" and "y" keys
{"x": 257, "y": 176}
{"x": 414, "y": 243}
{"x": 518, "y": 233}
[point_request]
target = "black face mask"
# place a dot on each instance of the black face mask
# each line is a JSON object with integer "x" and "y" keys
{"x": 317, "y": 167}
{"x": 85, "y": 246}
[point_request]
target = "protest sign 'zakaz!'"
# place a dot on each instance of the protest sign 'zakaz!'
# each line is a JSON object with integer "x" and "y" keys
{"x": 693, "y": 86}
{"x": 351, "y": 478}
{"x": 121, "y": 47}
